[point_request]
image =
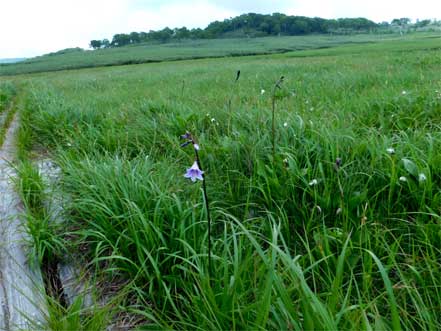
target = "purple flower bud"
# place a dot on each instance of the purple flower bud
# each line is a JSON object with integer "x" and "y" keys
{"x": 186, "y": 143}
{"x": 338, "y": 162}
{"x": 237, "y": 75}
{"x": 279, "y": 82}
{"x": 187, "y": 135}
{"x": 194, "y": 173}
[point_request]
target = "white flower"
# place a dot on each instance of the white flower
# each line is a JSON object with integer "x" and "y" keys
{"x": 285, "y": 124}
{"x": 403, "y": 92}
{"x": 213, "y": 120}
{"x": 390, "y": 150}
{"x": 338, "y": 212}
{"x": 313, "y": 182}
{"x": 422, "y": 177}
{"x": 262, "y": 92}
{"x": 402, "y": 179}
{"x": 196, "y": 147}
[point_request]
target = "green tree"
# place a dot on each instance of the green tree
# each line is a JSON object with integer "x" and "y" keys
{"x": 120, "y": 39}
{"x": 95, "y": 44}
{"x": 105, "y": 43}
{"x": 134, "y": 38}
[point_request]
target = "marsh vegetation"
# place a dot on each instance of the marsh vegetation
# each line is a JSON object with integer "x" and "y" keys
{"x": 326, "y": 209}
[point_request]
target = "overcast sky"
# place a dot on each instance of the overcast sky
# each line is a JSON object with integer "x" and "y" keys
{"x": 34, "y": 27}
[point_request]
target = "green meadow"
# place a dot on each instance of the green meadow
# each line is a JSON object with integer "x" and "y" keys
{"x": 324, "y": 191}
{"x": 185, "y": 49}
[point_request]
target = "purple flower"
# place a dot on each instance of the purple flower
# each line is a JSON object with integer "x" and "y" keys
{"x": 194, "y": 172}
{"x": 187, "y": 135}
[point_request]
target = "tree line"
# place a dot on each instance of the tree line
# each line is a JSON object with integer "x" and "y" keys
{"x": 255, "y": 25}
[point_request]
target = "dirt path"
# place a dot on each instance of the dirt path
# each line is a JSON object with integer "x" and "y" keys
{"x": 21, "y": 299}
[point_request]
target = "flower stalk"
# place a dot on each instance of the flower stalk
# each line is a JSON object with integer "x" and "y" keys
{"x": 196, "y": 173}
{"x": 337, "y": 166}
{"x": 230, "y": 101}
{"x": 277, "y": 85}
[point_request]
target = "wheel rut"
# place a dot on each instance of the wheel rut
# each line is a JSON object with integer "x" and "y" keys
{"x": 21, "y": 286}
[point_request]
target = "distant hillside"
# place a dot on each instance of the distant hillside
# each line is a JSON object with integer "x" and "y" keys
{"x": 12, "y": 60}
{"x": 77, "y": 58}
{"x": 254, "y": 25}
{"x": 248, "y": 25}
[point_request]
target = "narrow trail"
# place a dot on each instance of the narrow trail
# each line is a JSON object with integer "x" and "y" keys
{"x": 21, "y": 298}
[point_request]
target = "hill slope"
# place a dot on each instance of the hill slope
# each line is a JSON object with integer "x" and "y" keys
{"x": 76, "y": 58}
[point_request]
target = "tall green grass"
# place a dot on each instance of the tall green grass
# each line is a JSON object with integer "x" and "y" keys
{"x": 197, "y": 49}
{"x": 299, "y": 242}
{"x": 7, "y": 91}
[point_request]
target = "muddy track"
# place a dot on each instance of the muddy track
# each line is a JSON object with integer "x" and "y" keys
{"x": 21, "y": 287}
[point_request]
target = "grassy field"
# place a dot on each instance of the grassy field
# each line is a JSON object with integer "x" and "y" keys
{"x": 187, "y": 49}
{"x": 324, "y": 194}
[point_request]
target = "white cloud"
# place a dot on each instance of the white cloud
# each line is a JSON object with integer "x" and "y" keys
{"x": 376, "y": 10}
{"x": 177, "y": 14}
{"x": 35, "y": 27}
{"x": 31, "y": 27}
{"x": 256, "y": 6}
